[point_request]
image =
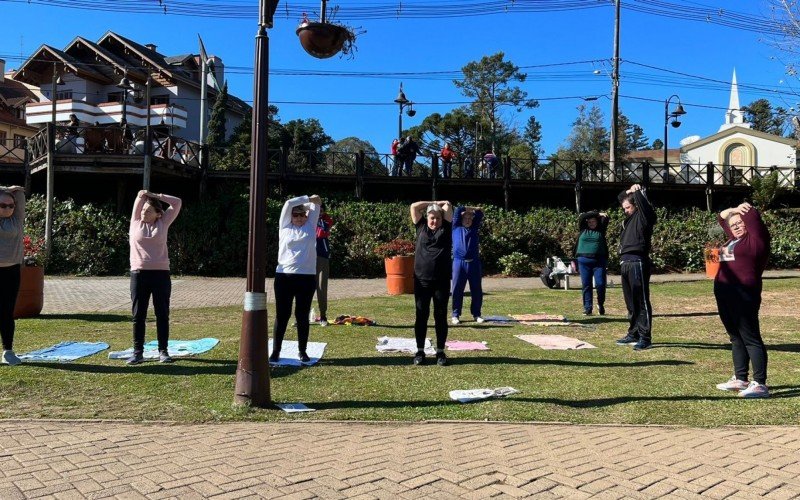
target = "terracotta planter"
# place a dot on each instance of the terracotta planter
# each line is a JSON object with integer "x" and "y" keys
{"x": 30, "y": 298}
{"x": 322, "y": 40}
{"x": 711, "y": 256}
{"x": 399, "y": 274}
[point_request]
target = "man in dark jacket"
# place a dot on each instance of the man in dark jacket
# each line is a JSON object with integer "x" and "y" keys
{"x": 408, "y": 152}
{"x": 634, "y": 252}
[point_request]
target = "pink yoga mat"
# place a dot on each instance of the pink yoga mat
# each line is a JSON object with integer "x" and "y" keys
{"x": 555, "y": 342}
{"x": 465, "y": 345}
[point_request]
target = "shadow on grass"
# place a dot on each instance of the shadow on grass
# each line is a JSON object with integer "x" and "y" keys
{"x": 403, "y": 359}
{"x": 468, "y": 324}
{"x": 726, "y": 346}
{"x": 100, "y": 317}
{"x": 777, "y": 392}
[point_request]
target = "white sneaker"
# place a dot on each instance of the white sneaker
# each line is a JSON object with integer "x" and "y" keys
{"x": 479, "y": 319}
{"x": 455, "y": 320}
{"x": 755, "y": 390}
{"x": 9, "y": 358}
{"x": 323, "y": 322}
{"x": 733, "y": 384}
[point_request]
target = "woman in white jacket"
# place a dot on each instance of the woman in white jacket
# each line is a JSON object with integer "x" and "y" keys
{"x": 295, "y": 276}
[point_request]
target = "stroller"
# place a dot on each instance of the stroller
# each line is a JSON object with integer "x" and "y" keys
{"x": 556, "y": 270}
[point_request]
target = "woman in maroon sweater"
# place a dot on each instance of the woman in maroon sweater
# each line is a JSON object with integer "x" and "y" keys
{"x": 737, "y": 289}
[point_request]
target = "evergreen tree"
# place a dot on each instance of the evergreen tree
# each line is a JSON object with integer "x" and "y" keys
{"x": 657, "y": 144}
{"x": 763, "y": 118}
{"x": 533, "y": 137}
{"x": 218, "y": 122}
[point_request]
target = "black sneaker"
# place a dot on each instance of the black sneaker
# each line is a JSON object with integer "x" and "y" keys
{"x": 587, "y": 312}
{"x": 164, "y": 357}
{"x": 419, "y": 358}
{"x": 628, "y": 340}
{"x": 642, "y": 345}
{"x": 136, "y": 359}
{"x": 441, "y": 359}
{"x": 274, "y": 357}
{"x": 601, "y": 310}
{"x": 304, "y": 359}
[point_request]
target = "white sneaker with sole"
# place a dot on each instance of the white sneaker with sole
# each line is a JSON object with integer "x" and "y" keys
{"x": 733, "y": 384}
{"x": 479, "y": 319}
{"x": 323, "y": 322}
{"x": 454, "y": 320}
{"x": 9, "y": 358}
{"x": 755, "y": 390}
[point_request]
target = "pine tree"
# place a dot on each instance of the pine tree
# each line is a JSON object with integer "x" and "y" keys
{"x": 218, "y": 122}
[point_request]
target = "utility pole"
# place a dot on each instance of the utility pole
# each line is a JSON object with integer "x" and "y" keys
{"x": 612, "y": 150}
{"x": 148, "y": 141}
{"x": 203, "y": 100}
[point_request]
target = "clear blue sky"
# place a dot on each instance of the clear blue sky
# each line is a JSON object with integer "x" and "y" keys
{"x": 532, "y": 40}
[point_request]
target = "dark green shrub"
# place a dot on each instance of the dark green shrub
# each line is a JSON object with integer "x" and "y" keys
{"x": 516, "y": 264}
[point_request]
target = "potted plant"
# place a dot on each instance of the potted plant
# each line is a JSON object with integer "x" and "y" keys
{"x": 398, "y": 259}
{"x": 716, "y": 237}
{"x": 30, "y": 298}
{"x": 323, "y": 39}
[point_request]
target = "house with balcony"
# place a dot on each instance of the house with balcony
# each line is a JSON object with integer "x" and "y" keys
{"x": 14, "y": 129}
{"x": 104, "y": 83}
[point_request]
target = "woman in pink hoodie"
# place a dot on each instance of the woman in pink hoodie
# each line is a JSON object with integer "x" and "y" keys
{"x": 150, "y": 268}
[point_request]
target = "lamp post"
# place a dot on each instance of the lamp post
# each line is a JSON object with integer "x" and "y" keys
{"x": 51, "y": 167}
{"x": 252, "y": 371}
{"x": 676, "y": 113}
{"x": 125, "y": 85}
{"x": 403, "y": 103}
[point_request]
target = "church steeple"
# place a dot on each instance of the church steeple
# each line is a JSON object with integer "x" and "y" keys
{"x": 734, "y": 117}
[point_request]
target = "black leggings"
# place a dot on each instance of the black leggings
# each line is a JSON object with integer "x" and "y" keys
{"x": 636, "y": 290}
{"x": 298, "y": 288}
{"x": 9, "y": 277}
{"x": 738, "y": 309}
{"x": 424, "y": 291}
{"x": 143, "y": 284}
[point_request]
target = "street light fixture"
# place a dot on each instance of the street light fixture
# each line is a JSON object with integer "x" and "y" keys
{"x": 125, "y": 85}
{"x": 403, "y": 103}
{"x": 676, "y": 113}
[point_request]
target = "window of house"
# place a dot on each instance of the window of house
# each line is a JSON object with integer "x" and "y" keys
{"x": 159, "y": 99}
{"x": 19, "y": 113}
{"x": 114, "y": 97}
{"x": 19, "y": 140}
{"x": 2, "y": 137}
{"x": 64, "y": 94}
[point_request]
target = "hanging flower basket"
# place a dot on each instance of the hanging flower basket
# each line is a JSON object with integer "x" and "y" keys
{"x": 324, "y": 40}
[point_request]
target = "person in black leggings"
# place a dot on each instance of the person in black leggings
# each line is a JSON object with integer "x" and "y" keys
{"x": 12, "y": 221}
{"x": 295, "y": 276}
{"x": 432, "y": 271}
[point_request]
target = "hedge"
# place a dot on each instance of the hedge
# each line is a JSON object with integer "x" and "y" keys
{"x": 210, "y": 237}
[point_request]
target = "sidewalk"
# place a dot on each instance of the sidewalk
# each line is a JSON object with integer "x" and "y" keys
{"x": 102, "y": 459}
{"x": 394, "y": 460}
{"x": 81, "y": 295}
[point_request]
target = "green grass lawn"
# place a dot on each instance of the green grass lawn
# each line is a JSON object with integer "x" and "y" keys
{"x": 670, "y": 384}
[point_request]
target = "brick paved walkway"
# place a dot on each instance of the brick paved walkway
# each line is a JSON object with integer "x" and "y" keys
{"x": 81, "y": 459}
{"x": 422, "y": 460}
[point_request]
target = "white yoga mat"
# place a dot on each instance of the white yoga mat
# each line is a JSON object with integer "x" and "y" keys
{"x": 294, "y": 407}
{"x": 402, "y": 344}
{"x": 290, "y": 353}
{"x": 470, "y": 395}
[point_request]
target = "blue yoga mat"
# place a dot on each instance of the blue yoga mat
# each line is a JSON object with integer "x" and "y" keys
{"x": 65, "y": 351}
{"x": 177, "y": 348}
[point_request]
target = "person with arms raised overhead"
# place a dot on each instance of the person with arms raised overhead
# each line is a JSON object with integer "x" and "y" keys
{"x": 634, "y": 254}
{"x": 432, "y": 266}
{"x": 737, "y": 289}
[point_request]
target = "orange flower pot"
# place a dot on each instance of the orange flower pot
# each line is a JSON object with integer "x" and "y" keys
{"x": 30, "y": 298}
{"x": 399, "y": 274}
{"x": 711, "y": 256}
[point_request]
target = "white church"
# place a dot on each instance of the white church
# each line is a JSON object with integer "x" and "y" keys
{"x": 736, "y": 147}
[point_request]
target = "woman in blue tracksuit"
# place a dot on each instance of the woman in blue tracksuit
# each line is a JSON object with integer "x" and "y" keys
{"x": 466, "y": 261}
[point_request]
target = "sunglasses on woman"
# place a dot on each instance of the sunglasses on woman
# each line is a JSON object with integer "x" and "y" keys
{"x": 5, "y": 205}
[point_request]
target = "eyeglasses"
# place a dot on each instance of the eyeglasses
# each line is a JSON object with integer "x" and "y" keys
{"x": 300, "y": 215}
{"x": 4, "y": 205}
{"x": 736, "y": 224}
